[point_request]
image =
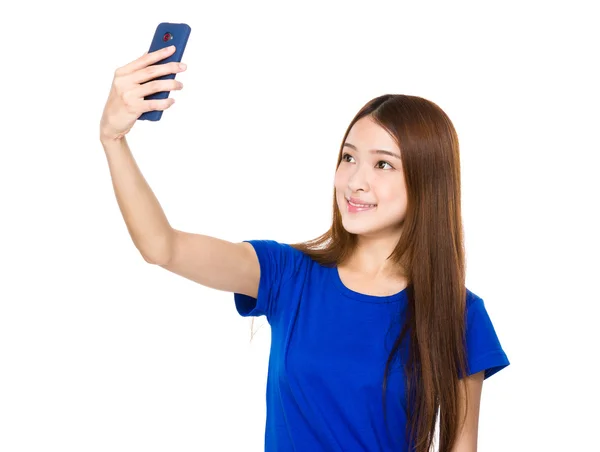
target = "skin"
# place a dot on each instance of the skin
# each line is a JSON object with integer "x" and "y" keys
{"x": 467, "y": 435}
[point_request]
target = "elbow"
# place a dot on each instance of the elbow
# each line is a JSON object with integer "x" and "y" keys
{"x": 157, "y": 259}
{"x": 154, "y": 260}
{"x": 160, "y": 253}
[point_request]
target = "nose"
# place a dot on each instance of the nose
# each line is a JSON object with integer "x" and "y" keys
{"x": 358, "y": 179}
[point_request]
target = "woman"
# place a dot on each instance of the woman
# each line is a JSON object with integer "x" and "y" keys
{"x": 373, "y": 329}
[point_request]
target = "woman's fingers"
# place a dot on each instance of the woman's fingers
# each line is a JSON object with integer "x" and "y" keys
{"x": 151, "y": 72}
{"x": 155, "y": 87}
{"x": 155, "y": 104}
{"x": 145, "y": 60}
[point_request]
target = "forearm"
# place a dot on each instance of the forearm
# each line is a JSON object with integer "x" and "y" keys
{"x": 144, "y": 217}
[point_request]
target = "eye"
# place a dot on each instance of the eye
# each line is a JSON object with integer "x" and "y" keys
{"x": 344, "y": 157}
{"x": 386, "y": 163}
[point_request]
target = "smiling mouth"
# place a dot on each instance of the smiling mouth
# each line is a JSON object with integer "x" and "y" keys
{"x": 357, "y": 208}
{"x": 360, "y": 205}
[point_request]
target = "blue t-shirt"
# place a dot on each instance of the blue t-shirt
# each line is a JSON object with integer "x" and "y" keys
{"x": 329, "y": 346}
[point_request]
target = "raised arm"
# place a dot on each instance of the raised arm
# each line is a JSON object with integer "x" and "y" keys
{"x": 212, "y": 262}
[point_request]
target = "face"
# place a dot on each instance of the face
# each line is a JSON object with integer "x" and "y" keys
{"x": 374, "y": 178}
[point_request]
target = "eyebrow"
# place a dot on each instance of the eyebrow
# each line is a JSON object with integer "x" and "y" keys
{"x": 376, "y": 151}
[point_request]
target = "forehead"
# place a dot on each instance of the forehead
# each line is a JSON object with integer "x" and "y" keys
{"x": 367, "y": 134}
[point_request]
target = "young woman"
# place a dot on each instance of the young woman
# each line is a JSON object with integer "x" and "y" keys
{"x": 375, "y": 337}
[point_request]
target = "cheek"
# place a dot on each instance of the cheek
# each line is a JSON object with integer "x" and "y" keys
{"x": 392, "y": 194}
{"x": 340, "y": 179}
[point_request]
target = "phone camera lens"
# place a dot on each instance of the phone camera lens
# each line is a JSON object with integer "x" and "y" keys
{"x": 167, "y": 37}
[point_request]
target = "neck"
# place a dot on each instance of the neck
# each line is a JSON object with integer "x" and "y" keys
{"x": 370, "y": 257}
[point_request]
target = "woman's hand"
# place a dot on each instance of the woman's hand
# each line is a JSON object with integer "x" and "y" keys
{"x": 126, "y": 99}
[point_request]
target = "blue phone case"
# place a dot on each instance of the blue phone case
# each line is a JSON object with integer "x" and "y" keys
{"x": 166, "y": 34}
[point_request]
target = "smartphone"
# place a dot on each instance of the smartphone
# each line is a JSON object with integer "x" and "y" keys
{"x": 166, "y": 34}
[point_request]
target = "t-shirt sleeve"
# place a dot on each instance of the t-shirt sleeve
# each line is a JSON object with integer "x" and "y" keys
{"x": 278, "y": 262}
{"x": 484, "y": 351}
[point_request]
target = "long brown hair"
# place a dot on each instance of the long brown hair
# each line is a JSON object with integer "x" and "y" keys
{"x": 431, "y": 253}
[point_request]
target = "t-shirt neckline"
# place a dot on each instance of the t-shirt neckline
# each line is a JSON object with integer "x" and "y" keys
{"x": 344, "y": 290}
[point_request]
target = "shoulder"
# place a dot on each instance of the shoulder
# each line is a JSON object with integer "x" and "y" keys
{"x": 279, "y": 263}
{"x": 473, "y": 302}
{"x": 472, "y": 297}
{"x": 279, "y": 257}
{"x": 274, "y": 245}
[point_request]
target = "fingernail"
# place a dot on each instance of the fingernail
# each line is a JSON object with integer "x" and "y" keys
{"x": 182, "y": 65}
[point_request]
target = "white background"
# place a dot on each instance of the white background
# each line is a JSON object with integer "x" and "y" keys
{"x": 101, "y": 351}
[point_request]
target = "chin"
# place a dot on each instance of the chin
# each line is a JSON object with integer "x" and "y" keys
{"x": 368, "y": 226}
{"x": 358, "y": 227}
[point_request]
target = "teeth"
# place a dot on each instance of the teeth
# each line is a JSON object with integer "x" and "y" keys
{"x": 360, "y": 205}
